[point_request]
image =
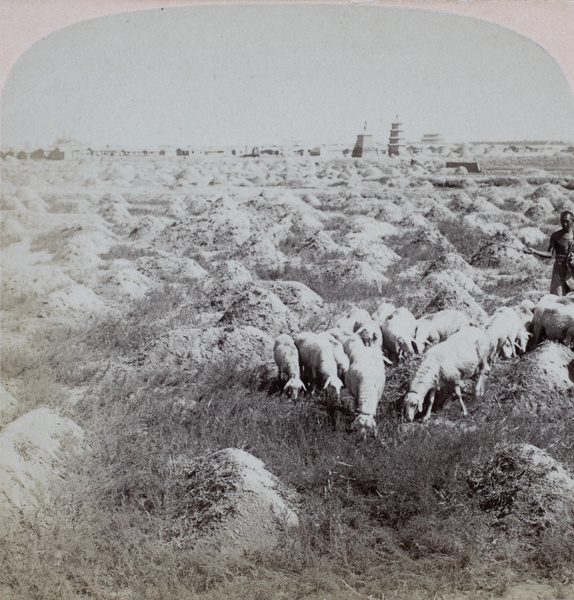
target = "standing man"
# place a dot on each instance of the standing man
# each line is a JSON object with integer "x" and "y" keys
{"x": 558, "y": 248}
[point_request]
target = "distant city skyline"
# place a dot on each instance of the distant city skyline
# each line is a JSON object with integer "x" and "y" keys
{"x": 240, "y": 75}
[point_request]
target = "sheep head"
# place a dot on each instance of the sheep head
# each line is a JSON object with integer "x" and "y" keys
{"x": 521, "y": 341}
{"x": 370, "y": 335}
{"x": 413, "y": 403}
{"x": 365, "y": 424}
{"x": 335, "y": 383}
{"x": 405, "y": 346}
{"x": 294, "y": 385}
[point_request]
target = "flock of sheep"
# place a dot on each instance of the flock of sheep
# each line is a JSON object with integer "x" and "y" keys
{"x": 354, "y": 352}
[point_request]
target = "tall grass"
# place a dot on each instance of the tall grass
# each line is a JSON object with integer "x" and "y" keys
{"x": 392, "y": 514}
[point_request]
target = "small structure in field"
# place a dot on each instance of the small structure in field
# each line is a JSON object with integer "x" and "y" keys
{"x": 471, "y": 167}
{"x": 364, "y": 144}
{"x": 56, "y": 155}
{"x": 38, "y": 154}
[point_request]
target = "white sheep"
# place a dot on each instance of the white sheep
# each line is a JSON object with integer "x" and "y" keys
{"x": 353, "y": 320}
{"x": 287, "y": 359}
{"x": 554, "y": 318}
{"x": 509, "y": 330}
{"x": 365, "y": 380}
{"x": 399, "y": 331}
{"x": 437, "y": 327}
{"x": 383, "y": 311}
{"x": 339, "y": 334}
{"x": 341, "y": 358}
{"x": 318, "y": 361}
{"x": 449, "y": 362}
{"x": 370, "y": 333}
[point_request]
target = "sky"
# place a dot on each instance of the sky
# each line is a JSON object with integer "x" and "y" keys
{"x": 282, "y": 74}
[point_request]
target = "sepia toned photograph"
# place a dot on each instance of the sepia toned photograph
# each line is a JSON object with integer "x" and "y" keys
{"x": 287, "y": 301}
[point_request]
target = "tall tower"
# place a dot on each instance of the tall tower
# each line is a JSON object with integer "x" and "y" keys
{"x": 364, "y": 144}
{"x": 396, "y": 140}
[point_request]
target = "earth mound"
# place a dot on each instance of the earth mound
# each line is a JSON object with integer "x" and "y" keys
{"x": 503, "y": 250}
{"x": 190, "y": 348}
{"x": 31, "y": 455}
{"x": 260, "y": 308}
{"x": 541, "y": 381}
{"x": 524, "y": 489}
{"x": 228, "y": 502}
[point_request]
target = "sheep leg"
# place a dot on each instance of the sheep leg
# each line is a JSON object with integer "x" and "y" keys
{"x": 536, "y": 333}
{"x": 569, "y": 336}
{"x": 479, "y": 390}
{"x": 431, "y": 402}
{"x": 459, "y": 396}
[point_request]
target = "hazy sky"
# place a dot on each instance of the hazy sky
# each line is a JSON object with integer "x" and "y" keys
{"x": 275, "y": 74}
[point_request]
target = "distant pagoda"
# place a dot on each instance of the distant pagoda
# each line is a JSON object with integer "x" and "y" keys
{"x": 364, "y": 144}
{"x": 396, "y": 139}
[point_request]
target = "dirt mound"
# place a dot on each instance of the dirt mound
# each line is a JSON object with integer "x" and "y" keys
{"x": 228, "y": 502}
{"x": 296, "y": 296}
{"x": 149, "y": 228}
{"x": 8, "y": 407}
{"x": 554, "y": 193}
{"x": 121, "y": 279}
{"x": 433, "y": 239}
{"x": 262, "y": 309}
{"x": 477, "y": 221}
{"x": 448, "y": 294}
{"x": 541, "y": 210}
{"x": 460, "y": 201}
{"x": 80, "y": 249}
{"x": 524, "y": 489}
{"x": 118, "y": 174}
{"x": 437, "y": 212}
{"x": 227, "y": 278}
{"x": 31, "y": 455}
{"x": 449, "y": 280}
{"x": 451, "y": 261}
{"x": 35, "y": 280}
{"x": 260, "y": 250}
{"x": 481, "y": 204}
{"x": 247, "y": 347}
{"x": 531, "y": 236}
{"x": 318, "y": 245}
{"x": 74, "y": 300}
{"x": 350, "y": 271}
{"x": 503, "y": 250}
{"x": 11, "y": 230}
{"x": 169, "y": 268}
{"x": 32, "y": 200}
{"x": 541, "y": 381}
{"x": 113, "y": 208}
{"x": 517, "y": 203}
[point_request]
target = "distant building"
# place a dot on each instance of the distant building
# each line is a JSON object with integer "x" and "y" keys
{"x": 471, "y": 167}
{"x": 180, "y": 152}
{"x": 56, "y": 155}
{"x": 364, "y": 144}
{"x": 432, "y": 139}
{"x": 396, "y": 139}
{"x": 38, "y": 154}
{"x": 22, "y": 155}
